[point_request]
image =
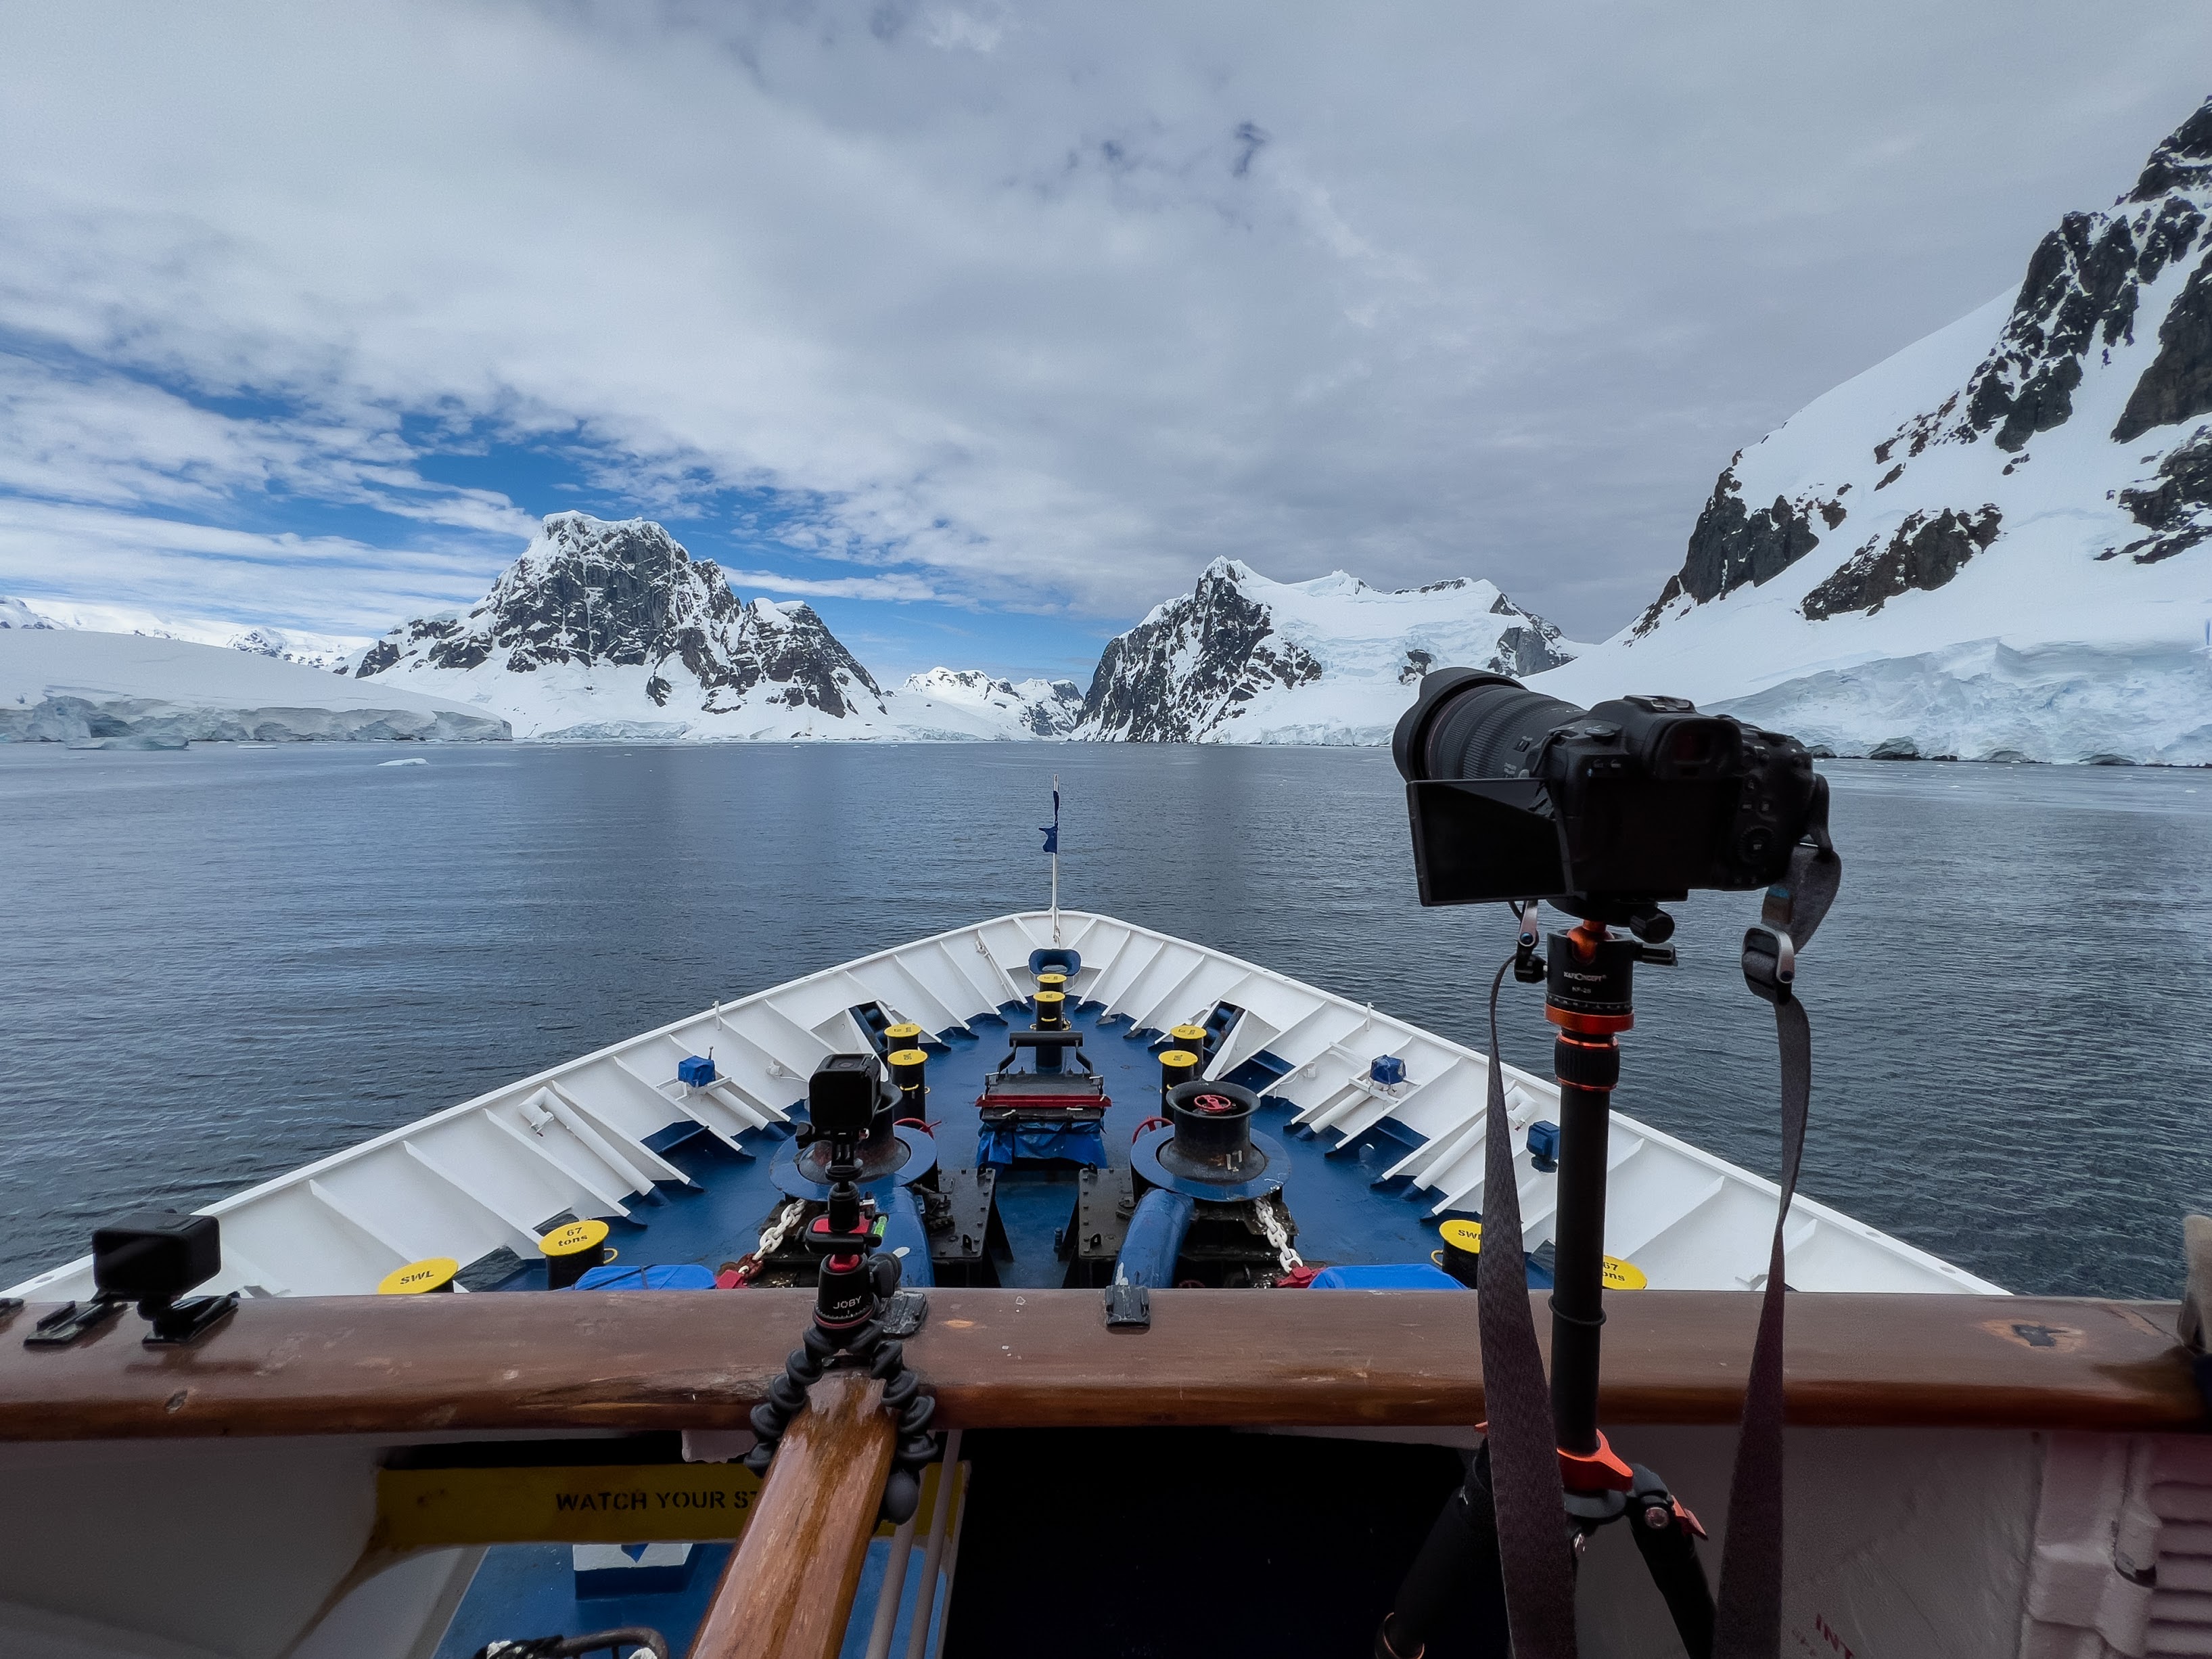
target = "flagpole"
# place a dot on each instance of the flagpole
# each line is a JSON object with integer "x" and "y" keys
{"x": 1055, "y": 858}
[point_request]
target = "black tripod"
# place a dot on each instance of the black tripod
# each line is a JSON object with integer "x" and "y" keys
{"x": 1588, "y": 979}
{"x": 858, "y": 1312}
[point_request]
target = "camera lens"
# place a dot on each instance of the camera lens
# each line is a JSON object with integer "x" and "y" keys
{"x": 1471, "y": 725}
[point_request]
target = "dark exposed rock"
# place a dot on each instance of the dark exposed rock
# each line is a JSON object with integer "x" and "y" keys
{"x": 2178, "y": 508}
{"x": 1732, "y": 546}
{"x": 2168, "y": 237}
{"x": 2182, "y": 162}
{"x": 2178, "y": 385}
{"x": 377, "y": 658}
{"x": 2080, "y": 285}
{"x": 592, "y": 592}
{"x": 2084, "y": 284}
{"x": 1138, "y": 694}
{"x": 1923, "y": 553}
{"x": 1657, "y": 608}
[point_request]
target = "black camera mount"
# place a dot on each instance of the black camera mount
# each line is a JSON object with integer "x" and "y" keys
{"x": 1589, "y": 976}
{"x": 860, "y": 1311}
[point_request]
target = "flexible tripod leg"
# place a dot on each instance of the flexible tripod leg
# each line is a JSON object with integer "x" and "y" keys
{"x": 1457, "y": 1565}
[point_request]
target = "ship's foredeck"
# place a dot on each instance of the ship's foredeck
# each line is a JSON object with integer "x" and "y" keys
{"x": 1345, "y": 1208}
{"x": 615, "y": 1134}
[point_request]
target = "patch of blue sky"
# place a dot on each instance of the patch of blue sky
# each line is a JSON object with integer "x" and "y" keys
{"x": 451, "y": 498}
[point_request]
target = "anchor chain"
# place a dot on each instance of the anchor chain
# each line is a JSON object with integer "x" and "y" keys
{"x": 1278, "y": 1236}
{"x": 771, "y": 1239}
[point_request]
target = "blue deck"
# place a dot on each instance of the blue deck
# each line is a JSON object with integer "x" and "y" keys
{"x": 1342, "y": 1216}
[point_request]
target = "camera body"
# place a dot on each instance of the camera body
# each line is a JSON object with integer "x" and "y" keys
{"x": 843, "y": 1094}
{"x": 1603, "y": 811}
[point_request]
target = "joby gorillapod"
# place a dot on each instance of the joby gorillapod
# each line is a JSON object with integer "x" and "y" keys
{"x": 1588, "y": 996}
{"x": 853, "y": 1293}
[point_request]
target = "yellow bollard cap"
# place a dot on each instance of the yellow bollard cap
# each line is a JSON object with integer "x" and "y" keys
{"x": 899, "y": 1057}
{"x": 573, "y": 1238}
{"x": 903, "y": 1036}
{"x": 1623, "y": 1275}
{"x": 1463, "y": 1235}
{"x": 431, "y": 1273}
{"x": 1175, "y": 1057}
{"x": 1188, "y": 1034}
{"x": 1051, "y": 981}
{"x": 1055, "y": 998}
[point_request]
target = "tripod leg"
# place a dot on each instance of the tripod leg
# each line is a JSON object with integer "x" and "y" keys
{"x": 1458, "y": 1562}
{"x": 1669, "y": 1549}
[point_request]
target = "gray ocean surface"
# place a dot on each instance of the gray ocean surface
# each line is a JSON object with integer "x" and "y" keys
{"x": 216, "y": 965}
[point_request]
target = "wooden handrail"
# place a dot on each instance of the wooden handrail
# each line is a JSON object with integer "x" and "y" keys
{"x": 581, "y": 1359}
{"x": 787, "y": 1591}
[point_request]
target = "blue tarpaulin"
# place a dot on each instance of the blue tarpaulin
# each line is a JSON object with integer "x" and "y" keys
{"x": 1078, "y": 1143}
{"x": 677, "y": 1276}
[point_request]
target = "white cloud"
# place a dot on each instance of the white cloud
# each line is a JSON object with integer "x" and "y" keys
{"x": 327, "y": 583}
{"x": 1048, "y": 304}
{"x": 72, "y": 434}
{"x": 889, "y": 585}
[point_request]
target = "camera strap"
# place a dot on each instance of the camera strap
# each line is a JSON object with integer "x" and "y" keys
{"x": 1748, "y": 1610}
{"x": 1524, "y": 1455}
{"x": 1538, "y": 1568}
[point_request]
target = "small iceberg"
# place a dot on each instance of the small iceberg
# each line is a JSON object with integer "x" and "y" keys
{"x": 412, "y": 760}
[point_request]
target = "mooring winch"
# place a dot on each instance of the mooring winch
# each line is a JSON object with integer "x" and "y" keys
{"x": 1209, "y": 1207}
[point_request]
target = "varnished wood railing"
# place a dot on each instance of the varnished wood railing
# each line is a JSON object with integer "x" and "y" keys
{"x": 787, "y": 1591}
{"x": 1044, "y": 1359}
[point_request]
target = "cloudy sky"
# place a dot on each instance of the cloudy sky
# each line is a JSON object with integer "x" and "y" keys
{"x": 985, "y": 327}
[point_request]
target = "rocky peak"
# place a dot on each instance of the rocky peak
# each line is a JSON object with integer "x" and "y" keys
{"x": 1241, "y": 658}
{"x": 2090, "y": 285}
{"x": 2182, "y": 162}
{"x": 591, "y": 593}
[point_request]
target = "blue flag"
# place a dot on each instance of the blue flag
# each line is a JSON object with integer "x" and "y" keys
{"x": 1052, "y": 831}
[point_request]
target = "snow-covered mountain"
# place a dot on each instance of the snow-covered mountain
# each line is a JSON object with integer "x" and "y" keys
{"x": 1990, "y": 545}
{"x": 329, "y": 651}
{"x": 100, "y": 689}
{"x": 1026, "y": 708}
{"x": 609, "y": 629}
{"x": 1244, "y": 659}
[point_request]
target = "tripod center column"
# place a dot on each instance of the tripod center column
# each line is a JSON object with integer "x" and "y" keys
{"x": 1588, "y": 995}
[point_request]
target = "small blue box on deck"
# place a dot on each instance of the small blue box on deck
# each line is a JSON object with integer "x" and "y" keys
{"x": 1544, "y": 1146}
{"x": 696, "y": 1072}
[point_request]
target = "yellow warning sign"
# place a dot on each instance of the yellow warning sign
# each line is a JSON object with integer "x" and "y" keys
{"x": 574, "y": 1237}
{"x": 1623, "y": 1275}
{"x": 433, "y": 1273}
{"x": 647, "y": 1503}
{"x": 621, "y": 1504}
{"x": 1463, "y": 1235}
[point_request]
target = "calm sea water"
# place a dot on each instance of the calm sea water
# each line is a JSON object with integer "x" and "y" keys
{"x": 217, "y": 964}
